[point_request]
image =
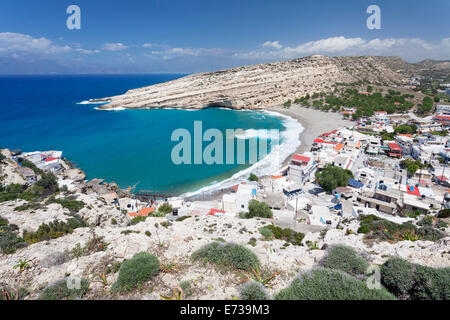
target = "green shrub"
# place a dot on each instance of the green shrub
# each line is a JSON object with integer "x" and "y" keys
{"x": 29, "y": 206}
{"x": 444, "y": 213}
{"x": 165, "y": 208}
{"x": 9, "y": 239}
{"x": 71, "y": 204}
{"x": 137, "y": 220}
{"x": 254, "y": 291}
{"x": 332, "y": 177}
{"x": 413, "y": 281}
{"x": 346, "y": 259}
{"x": 266, "y": 233}
{"x": 382, "y": 229}
{"x": 258, "y": 209}
{"x": 60, "y": 291}
{"x": 183, "y": 218}
{"x": 10, "y": 192}
{"x": 286, "y": 234}
{"x": 227, "y": 254}
{"x": 328, "y": 284}
{"x": 49, "y": 183}
{"x": 54, "y": 230}
{"x": 134, "y": 272}
{"x": 253, "y": 177}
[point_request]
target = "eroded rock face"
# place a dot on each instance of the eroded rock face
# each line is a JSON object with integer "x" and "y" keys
{"x": 257, "y": 86}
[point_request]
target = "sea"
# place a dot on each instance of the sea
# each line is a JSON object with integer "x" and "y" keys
{"x": 132, "y": 148}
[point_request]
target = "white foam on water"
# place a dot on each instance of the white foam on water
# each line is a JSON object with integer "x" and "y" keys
{"x": 111, "y": 109}
{"x": 91, "y": 102}
{"x": 289, "y": 141}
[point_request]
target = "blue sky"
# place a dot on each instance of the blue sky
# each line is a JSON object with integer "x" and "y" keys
{"x": 184, "y": 36}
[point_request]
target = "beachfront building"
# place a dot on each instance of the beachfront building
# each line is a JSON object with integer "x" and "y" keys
{"x": 44, "y": 160}
{"x": 379, "y": 205}
{"x": 28, "y": 174}
{"x": 300, "y": 168}
{"x": 443, "y": 109}
{"x": 443, "y": 120}
{"x": 395, "y": 151}
{"x": 373, "y": 146}
{"x": 238, "y": 200}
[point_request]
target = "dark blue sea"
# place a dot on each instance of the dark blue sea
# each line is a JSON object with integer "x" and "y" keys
{"x": 129, "y": 147}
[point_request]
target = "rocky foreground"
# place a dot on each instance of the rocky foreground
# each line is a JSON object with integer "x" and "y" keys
{"x": 108, "y": 236}
{"x": 258, "y": 86}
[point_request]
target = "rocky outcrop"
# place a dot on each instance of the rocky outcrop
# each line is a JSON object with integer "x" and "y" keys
{"x": 257, "y": 86}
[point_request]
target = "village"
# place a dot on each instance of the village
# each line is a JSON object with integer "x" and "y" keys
{"x": 378, "y": 184}
{"x": 380, "y": 157}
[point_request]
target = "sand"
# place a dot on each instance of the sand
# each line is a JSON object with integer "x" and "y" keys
{"x": 315, "y": 123}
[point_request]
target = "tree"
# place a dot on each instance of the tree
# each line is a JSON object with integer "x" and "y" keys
{"x": 404, "y": 129}
{"x": 253, "y": 177}
{"x": 427, "y": 105}
{"x": 332, "y": 177}
{"x": 369, "y": 89}
{"x": 412, "y": 168}
{"x": 258, "y": 209}
{"x": 287, "y": 104}
{"x": 49, "y": 183}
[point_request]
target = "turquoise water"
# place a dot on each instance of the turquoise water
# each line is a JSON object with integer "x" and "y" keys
{"x": 128, "y": 146}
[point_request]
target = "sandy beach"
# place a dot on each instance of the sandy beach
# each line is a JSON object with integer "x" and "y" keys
{"x": 315, "y": 122}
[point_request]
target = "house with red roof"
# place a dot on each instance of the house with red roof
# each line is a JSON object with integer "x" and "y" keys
{"x": 300, "y": 160}
{"x": 300, "y": 168}
{"x": 395, "y": 150}
{"x": 444, "y": 120}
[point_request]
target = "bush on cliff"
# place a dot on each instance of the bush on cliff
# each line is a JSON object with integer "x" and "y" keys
{"x": 328, "y": 284}
{"x": 134, "y": 272}
{"x": 53, "y": 230}
{"x": 413, "y": 281}
{"x": 254, "y": 291}
{"x": 9, "y": 239}
{"x": 285, "y": 234}
{"x": 227, "y": 254}
{"x": 382, "y": 229}
{"x": 61, "y": 291}
{"x": 346, "y": 259}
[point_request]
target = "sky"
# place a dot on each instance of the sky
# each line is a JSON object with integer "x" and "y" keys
{"x": 188, "y": 36}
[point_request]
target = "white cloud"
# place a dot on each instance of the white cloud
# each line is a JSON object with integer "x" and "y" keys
{"x": 272, "y": 44}
{"x": 408, "y": 48}
{"x": 117, "y": 46}
{"x": 183, "y": 52}
{"x": 16, "y": 44}
{"x": 153, "y": 45}
{"x": 84, "y": 51}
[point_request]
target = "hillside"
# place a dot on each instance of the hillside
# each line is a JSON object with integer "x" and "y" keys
{"x": 258, "y": 86}
{"x": 425, "y": 68}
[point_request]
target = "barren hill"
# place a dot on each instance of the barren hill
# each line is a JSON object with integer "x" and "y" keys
{"x": 258, "y": 86}
{"x": 427, "y": 68}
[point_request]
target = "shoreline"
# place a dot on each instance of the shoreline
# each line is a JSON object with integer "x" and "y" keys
{"x": 313, "y": 122}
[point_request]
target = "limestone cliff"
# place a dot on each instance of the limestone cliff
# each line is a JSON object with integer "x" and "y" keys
{"x": 257, "y": 86}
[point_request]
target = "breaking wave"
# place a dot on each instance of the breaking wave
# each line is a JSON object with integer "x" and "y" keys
{"x": 289, "y": 142}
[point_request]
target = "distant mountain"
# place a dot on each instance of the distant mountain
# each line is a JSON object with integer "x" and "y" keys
{"x": 428, "y": 67}
{"x": 261, "y": 85}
